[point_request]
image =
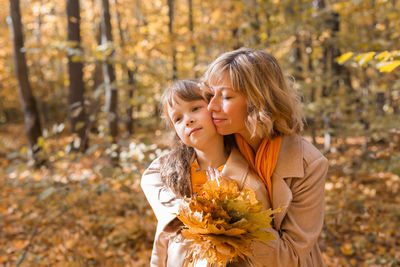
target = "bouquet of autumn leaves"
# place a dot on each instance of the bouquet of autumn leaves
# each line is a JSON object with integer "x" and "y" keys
{"x": 221, "y": 221}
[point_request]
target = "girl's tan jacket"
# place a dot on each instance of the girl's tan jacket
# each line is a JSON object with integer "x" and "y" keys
{"x": 298, "y": 187}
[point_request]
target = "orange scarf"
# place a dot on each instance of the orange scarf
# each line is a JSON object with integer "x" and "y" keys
{"x": 199, "y": 177}
{"x": 264, "y": 161}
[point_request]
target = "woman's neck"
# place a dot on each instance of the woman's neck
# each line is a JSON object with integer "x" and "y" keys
{"x": 214, "y": 155}
{"x": 253, "y": 142}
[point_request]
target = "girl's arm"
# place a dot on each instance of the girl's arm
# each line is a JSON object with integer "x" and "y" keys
{"x": 162, "y": 200}
{"x": 165, "y": 206}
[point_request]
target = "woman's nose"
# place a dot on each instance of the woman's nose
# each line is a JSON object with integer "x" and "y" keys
{"x": 214, "y": 104}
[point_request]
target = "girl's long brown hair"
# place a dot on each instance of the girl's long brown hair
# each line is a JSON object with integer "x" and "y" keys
{"x": 175, "y": 166}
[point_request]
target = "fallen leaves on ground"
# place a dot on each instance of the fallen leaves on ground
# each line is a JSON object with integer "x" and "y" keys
{"x": 81, "y": 211}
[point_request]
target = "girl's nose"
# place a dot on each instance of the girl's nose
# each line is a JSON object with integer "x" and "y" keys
{"x": 189, "y": 121}
{"x": 214, "y": 105}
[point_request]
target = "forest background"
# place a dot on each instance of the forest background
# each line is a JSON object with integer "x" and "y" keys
{"x": 80, "y": 84}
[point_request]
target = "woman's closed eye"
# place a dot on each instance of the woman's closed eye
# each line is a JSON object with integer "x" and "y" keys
{"x": 209, "y": 95}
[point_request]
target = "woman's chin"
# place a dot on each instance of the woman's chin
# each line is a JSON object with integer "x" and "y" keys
{"x": 224, "y": 131}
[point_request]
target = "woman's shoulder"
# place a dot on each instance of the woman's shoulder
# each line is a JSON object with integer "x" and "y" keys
{"x": 311, "y": 153}
{"x": 297, "y": 146}
{"x": 296, "y": 155}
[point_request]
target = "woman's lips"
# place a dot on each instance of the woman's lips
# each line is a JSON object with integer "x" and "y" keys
{"x": 218, "y": 120}
{"x": 194, "y": 131}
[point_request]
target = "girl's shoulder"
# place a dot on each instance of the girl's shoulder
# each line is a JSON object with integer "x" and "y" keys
{"x": 156, "y": 164}
{"x": 152, "y": 175}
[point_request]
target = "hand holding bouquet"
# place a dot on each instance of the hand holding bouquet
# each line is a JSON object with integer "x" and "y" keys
{"x": 222, "y": 221}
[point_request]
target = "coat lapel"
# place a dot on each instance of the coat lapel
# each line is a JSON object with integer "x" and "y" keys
{"x": 236, "y": 167}
{"x": 289, "y": 165}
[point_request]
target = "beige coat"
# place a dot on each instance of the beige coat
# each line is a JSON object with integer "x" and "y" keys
{"x": 298, "y": 186}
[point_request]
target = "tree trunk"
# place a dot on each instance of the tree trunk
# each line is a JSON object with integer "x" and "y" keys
{"x": 310, "y": 69}
{"x": 172, "y": 37}
{"x": 297, "y": 58}
{"x": 98, "y": 78}
{"x": 31, "y": 115}
{"x": 235, "y": 38}
{"x": 76, "y": 106}
{"x": 129, "y": 111}
{"x": 268, "y": 24}
{"x": 380, "y": 103}
{"x": 330, "y": 66}
{"x": 131, "y": 82}
{"x": 109, "y": 79}
{"x": 38, "y": 72}
{"x": 255, "y": 23}
{"x": 192, "y": 41}
{"x": 109, "y": 72}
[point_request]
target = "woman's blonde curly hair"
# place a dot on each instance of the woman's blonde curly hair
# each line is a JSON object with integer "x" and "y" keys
{"x": 273, "y": 106}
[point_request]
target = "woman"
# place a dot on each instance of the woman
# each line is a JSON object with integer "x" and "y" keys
{"x": 249, "y": 97}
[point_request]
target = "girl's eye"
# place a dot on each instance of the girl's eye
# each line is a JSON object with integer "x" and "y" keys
{"x": 195, "y": 108}
{"x": 177, "y": 119}
{"x": 227, "y": 97}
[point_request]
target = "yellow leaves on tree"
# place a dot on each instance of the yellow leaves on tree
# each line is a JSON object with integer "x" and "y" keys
{"x": 388, "y": 66}
{"x": 343, "y": 58}
{"x": 386, "y": 61}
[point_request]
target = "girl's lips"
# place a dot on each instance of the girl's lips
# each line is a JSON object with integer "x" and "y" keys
{"x": 194, "y": 131}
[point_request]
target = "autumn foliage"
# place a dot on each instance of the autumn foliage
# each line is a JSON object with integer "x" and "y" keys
{"x": 71, "y": 207}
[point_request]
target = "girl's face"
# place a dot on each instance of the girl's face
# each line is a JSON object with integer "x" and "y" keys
{"x": 192, "y": 123}
{"x": 228, "y": 109}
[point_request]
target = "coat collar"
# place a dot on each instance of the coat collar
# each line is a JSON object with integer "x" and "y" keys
{"x": 289, "y": 164}
{"x": 236, "y": 167}
{"x": 290, "y": 159}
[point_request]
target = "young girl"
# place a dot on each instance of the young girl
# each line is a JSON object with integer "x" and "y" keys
{"x": 170, "y": 178}
{"x": 249, "y": 97}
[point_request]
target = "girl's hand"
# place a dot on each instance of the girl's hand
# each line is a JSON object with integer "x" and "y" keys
{"x": 173, "y": 226}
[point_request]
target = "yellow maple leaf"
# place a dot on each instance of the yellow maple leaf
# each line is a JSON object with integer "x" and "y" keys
{"x": 364, "y": 58}
{"x": 343, "y": 58}
{"x": 388, "y": 66}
